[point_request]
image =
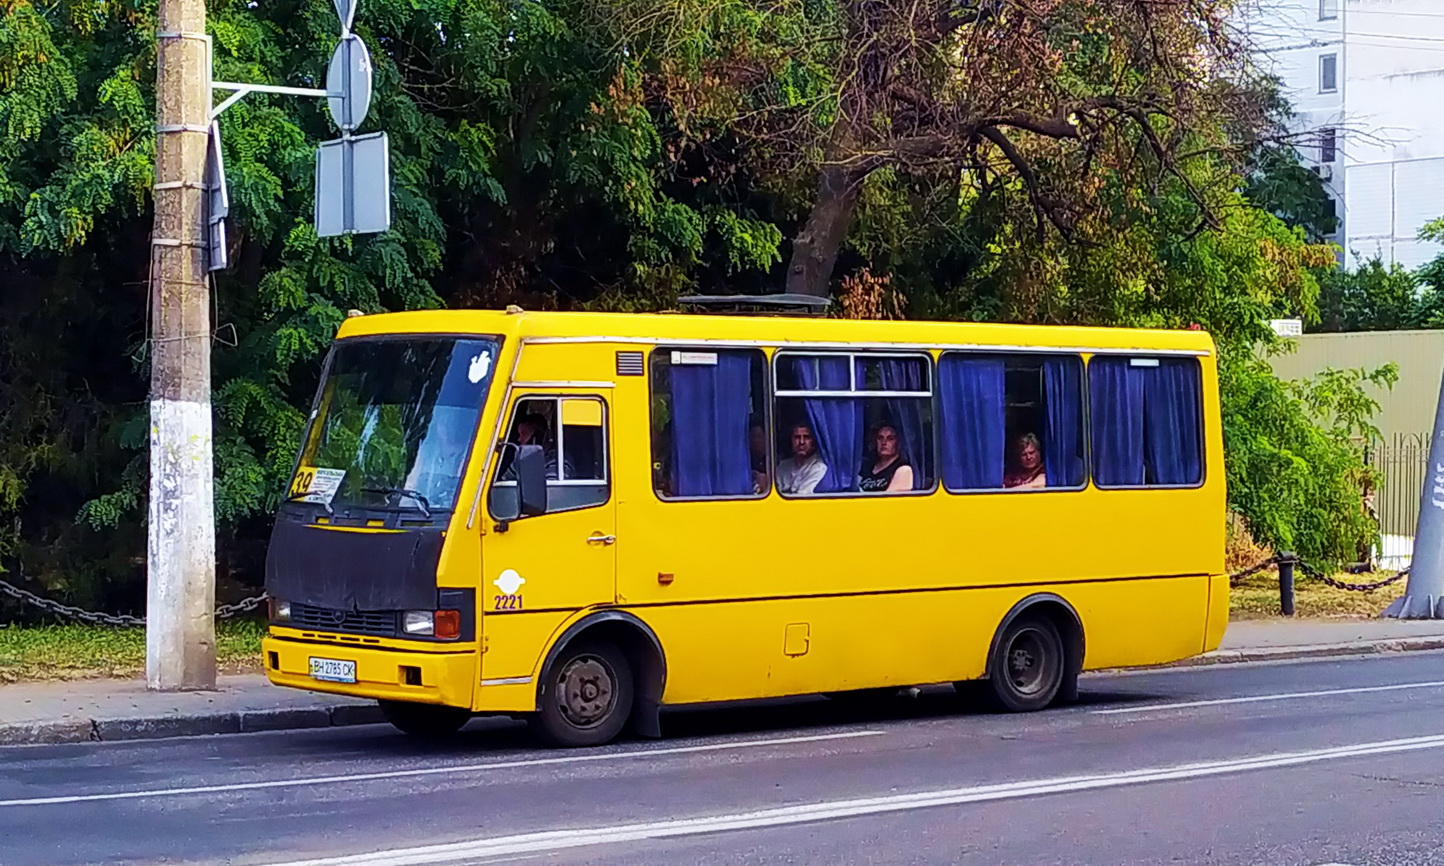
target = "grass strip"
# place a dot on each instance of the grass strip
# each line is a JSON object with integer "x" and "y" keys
{"x": 66, "y": 652}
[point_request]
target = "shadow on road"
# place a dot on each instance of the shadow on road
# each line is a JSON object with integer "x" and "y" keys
{"x": 500, "y": 737}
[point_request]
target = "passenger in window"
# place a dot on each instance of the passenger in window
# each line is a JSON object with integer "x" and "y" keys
{"x": 1025, "y": 464}
{"x": 757, "y": 445}
{"x": 803, "y": 471}
{"x": 889, "y": 471}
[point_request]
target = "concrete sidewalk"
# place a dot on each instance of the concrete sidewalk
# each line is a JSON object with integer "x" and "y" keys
{"x": 104, "y": 710}
{"x": 1278, "y": 638}
{"x": 79, "y": 711}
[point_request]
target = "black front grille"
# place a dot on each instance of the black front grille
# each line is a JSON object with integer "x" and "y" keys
{"x": 382, "y": 623}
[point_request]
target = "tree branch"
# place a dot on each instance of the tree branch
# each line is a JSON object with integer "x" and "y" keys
{"x": 1020, "y": 164}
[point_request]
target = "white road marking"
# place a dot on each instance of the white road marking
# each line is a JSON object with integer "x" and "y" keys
{"x": 1287, "y": 696}
{"x": 556, "y": 840}
{"x": 439, "y": 771}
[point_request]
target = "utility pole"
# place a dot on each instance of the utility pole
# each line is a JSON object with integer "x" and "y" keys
{"x": 1423, "y": 597}
{"x": 181, "y": 579}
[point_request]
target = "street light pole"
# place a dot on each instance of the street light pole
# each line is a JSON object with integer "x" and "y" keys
{"x": 1424, "y": 596}
{"x": 181, "y": 580}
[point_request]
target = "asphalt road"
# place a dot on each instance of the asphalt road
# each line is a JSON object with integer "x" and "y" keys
{"x": 1295, "y": 763}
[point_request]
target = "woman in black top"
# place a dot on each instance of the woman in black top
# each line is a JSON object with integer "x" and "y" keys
{"x": 890, "y": 472}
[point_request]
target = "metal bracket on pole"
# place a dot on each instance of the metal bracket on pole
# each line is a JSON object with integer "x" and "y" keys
{"x": 242, "y": 89}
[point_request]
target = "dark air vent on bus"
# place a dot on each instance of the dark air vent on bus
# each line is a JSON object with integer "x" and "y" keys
{"x": 630, "y": 364}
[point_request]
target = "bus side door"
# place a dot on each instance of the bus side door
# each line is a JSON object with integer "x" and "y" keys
{"x": 564, "y": 559}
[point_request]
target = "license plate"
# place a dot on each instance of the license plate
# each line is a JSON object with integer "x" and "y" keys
{"x": 333, "y": 670}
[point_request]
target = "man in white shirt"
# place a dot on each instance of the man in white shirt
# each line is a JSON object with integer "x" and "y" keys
{"x": 801, "y": 473}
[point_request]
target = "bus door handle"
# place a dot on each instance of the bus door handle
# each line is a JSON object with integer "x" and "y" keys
{"x": 598, "y": 538}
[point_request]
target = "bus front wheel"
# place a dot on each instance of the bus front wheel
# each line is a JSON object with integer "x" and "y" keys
{"x": 424, "y": 720}
{"x": 586, "y": 698}
{"x": 1028, "y": 665}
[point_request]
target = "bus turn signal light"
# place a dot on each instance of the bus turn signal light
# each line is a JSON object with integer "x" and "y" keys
{"x": 448, "y": 624}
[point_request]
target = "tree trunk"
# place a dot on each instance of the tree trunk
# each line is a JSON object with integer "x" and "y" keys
{"x": 815, "y": 249}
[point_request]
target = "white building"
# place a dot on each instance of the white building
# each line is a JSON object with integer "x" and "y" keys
{"x": 1366, "y": 77}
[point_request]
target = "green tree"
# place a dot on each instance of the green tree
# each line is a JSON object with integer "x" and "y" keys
{"x": 1371, "y": 297}
{"x": 1057, "y": 96}
{"x": 1282, "y": 185}
{"x": 1431, "y": 279}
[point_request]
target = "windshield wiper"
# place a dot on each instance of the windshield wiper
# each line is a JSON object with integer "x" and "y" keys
{"x": 301, "y": 497}
{"x": 389, "y": 492}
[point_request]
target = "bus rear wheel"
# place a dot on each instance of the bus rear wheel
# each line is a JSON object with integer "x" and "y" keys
{"x": 424, "y": 720}
{"x": 1028, "y": 665}
{"x": 586, "y": 698}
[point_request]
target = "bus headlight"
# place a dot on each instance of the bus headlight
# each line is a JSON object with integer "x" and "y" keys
{"x": 418, "y": 622}
{"x": 280, "y": 610}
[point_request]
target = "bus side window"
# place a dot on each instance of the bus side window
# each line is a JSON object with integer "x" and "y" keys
{"x": 1011, "y": 421}
{"x": 572, "y": 434}
{"x": 854, "y": 423}
{"x": 709, "y": 424}
{"x": 1147, "y": 421}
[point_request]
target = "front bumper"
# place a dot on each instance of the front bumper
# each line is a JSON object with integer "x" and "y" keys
{"x": 381, "y": 673}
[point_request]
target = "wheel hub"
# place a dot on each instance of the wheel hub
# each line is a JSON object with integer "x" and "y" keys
{"x": 1025, "y": 668}
{"x": 588, "y": 691}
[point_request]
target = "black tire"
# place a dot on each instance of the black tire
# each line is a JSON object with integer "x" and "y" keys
{"x": 586, "y": 697}
{"x": 424, "y": 720}
{"x": 1028, "y": 666}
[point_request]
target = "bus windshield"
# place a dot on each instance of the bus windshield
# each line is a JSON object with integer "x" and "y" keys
{"x": 395, "y": 422}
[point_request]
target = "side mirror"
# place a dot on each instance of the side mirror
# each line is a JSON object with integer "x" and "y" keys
{"x": 531, "y": 480}
{"x": 522, "y": 492}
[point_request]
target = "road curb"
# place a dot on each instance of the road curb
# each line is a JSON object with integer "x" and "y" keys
{"x": 1308, "y": 651}
{"x": 187, "y": 725}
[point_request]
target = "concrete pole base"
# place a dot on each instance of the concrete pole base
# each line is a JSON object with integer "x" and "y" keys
{"x": 1415, "y": 607}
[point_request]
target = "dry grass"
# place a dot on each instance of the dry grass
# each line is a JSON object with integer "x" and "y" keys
{"x": 1240, "y": 551}
{"x": 72, "y": 652}
{"x": 1258, "y": 596}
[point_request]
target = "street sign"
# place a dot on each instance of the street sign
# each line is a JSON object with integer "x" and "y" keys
{"x": 353, "y": 185}
{"x": 349, "y": 75}
{"x": 218, "y": 202}
{"x": 346, "y": 11}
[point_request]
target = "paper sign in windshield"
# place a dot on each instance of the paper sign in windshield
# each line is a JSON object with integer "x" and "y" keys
{"x": 316, "y": 485}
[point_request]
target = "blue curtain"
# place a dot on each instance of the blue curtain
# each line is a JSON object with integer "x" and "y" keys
{"x": 972, "y": 420}
{"x": 836, "y": 421}
{"x": 1171, "y": 416}
{"x": 710, "y": 406}
{"x": 906, "y": 415}
{"x": 1063, "y": 431}
{"x": 1116, "y": 389}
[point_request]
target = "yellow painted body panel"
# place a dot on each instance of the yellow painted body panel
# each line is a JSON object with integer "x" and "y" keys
{"x": 737, "y": 650}
{"x": 1218, "y": 609}
{"x": 773, "y": 597}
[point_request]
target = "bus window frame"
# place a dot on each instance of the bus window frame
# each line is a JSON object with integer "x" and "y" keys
{"x": 854, "y": 352}
{"x": 1203, "y": 466}
{"x": 504, "y": 434}
{"x": 668, "y": 348}
{"x": 1085, "y": 422}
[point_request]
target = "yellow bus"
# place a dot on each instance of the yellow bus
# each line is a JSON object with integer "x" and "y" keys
{"x": 581, "y": 518}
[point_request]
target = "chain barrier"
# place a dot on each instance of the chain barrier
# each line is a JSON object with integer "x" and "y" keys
{"x": 1310, "y": 571}
{"x": 1240, "y": 577}
{"x": 66, "y": 611}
